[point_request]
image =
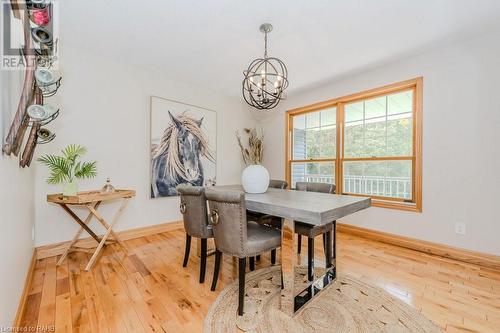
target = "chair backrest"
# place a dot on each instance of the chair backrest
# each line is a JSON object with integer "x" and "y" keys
{"x": 281, "y": 184}
{"x": 315, "y": 187}
{"x": 227, "y": 211}
{"x": 193, "y": 207}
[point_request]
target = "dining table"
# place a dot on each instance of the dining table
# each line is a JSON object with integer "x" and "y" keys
{"x": 314, "y": 209}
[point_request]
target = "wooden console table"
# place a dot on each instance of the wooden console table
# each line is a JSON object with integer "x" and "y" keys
{"x": 92, "y": 200}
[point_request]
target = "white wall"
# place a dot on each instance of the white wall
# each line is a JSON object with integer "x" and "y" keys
{"x": 16, "y": 208}
{"x": 105, "y": 107}
{"x": 461, "y": 162}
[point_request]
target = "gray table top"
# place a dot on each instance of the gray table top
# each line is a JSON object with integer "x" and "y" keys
{"x": 309, "y": 207}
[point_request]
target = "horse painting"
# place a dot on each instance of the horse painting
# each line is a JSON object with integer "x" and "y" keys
{"x": 176, "y": 159}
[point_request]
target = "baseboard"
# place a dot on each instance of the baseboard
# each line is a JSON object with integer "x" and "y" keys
{"x": 477, "y": 258}
{"x": 51, "y": 250}
{"x": 24, "y": 295}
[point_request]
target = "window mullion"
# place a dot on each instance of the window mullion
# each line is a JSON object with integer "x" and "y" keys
{"x": 386, "y": 124}
{"x": 339, "y": 178}
{"x": 305, "y": 136}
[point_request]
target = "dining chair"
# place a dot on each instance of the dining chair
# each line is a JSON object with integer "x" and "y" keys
{"x": 275, "y": 183}
{"x": 310, "y": 232}
{"x": 193, "y": 207}
{"x": 272, "y": 221}
{"x": 264, "y": 218}
{"x": 236, "y": 236}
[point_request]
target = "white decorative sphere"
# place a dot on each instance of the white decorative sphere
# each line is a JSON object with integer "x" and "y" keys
{"x": 255, "y": 179}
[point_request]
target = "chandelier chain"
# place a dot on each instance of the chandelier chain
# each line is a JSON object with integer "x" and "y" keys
{"x": 265, "y": 45}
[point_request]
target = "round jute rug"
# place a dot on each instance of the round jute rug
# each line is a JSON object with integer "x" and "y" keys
{"x": 347, "y": 305}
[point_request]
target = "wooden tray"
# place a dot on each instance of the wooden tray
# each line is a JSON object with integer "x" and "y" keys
{"x": 89, "y": 196}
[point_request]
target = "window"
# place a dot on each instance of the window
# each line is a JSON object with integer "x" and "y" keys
{"x": 314, "y": 146}
{"x": 368, "y": 144}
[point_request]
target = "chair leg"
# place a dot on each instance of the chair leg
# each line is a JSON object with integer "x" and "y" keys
{"x": 203, "y": 261}
{"x": 334, "y": 231}
{"x": 186, "y": 252}
{"x": 252, "y": 263}
{"x": 273, "y": 257}
{"x": 324, "y": 243}
{"x": 328, "y": 250}
{"x": 299, "y": 246}
{"x": 310, "y": 258}
{"x": 258, "y": 257}
{"x": 215, "y": 278}
{"x": 241, "y": 284}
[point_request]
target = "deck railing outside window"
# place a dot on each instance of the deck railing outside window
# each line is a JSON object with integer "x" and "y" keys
{"x": 394, "y": 187}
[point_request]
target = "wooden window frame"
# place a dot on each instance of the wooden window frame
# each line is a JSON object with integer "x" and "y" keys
{"x": 395, "y": 203}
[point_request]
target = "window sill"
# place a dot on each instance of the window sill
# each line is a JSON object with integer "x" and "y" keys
{"x": 409, "y": 207}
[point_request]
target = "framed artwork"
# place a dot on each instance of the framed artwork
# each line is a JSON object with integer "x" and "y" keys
{"x": 183, "y": 146}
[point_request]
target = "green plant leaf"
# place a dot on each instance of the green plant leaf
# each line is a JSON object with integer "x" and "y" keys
{"x": 86, "y": 170}
{"x": 71, "y": 152}
{"x": 58, "y": 166}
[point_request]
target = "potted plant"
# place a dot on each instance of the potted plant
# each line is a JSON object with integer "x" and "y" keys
{"x": 66, "y": 168}
{"x": 255, "y": 178}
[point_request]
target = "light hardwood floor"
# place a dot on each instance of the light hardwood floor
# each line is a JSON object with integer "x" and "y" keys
{"x": 147, "y": 290}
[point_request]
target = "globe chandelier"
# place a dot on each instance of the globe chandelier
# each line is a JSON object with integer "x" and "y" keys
{"x": 265, "y": 79}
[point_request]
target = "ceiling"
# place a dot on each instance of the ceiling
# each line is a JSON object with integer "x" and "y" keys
{"x": 210, "y": 43}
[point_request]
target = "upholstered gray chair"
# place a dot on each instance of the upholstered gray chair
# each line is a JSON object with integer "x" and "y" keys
{"x": 303, "y": 229}
{"x": 265, "y": 218}
{"x": 193, "y": 207}
{"x": 272, "y": 221}
{"x": 236, "y": 236}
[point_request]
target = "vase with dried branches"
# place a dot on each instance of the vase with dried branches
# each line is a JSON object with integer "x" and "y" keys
{"x": 255, "y": 178}
{"x": 254, "y": 152}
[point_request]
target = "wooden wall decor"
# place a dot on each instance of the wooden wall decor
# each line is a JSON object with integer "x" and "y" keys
{"x": 16, "y": 8}
{"x": 35, "y": 57}
{"x": 29, "y": 149}
{"x": 16, "y": 132}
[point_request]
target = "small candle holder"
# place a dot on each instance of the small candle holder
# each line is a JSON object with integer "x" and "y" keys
{"x": 46, "y": 81}
{"x": 42, "y": 38}
{"x": 42, "y": 114}
{"x": 40, "y": 14}
{"x": 44, "y": 136}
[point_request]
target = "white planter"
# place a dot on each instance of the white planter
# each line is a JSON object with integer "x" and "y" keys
{"x": 255, "y": 179}
{"x": 70, "y": 189}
